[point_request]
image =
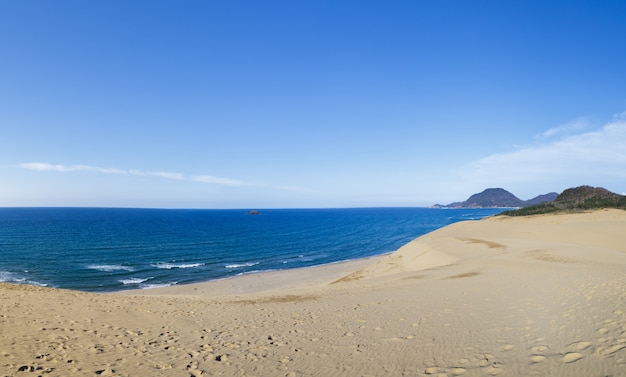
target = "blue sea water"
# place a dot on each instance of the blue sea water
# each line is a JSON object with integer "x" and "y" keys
{"x": 111, "y": 249}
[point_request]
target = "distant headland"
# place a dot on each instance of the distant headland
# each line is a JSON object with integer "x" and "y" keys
{"x": 580, "y": 198}
{"x": 572, "y": 199}
{"x": 498, "y": 198}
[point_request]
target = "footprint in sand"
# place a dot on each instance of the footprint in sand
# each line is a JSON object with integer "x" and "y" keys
{"x": 571, "y": 357}
{"x": 580, "y": 346}
{"x": 613, "y": 349}
{"x": 537, "y": 358}
{"x": 493, "y": 371}
{"x": 484, "y": 363}
{"x": 458, "y": 371}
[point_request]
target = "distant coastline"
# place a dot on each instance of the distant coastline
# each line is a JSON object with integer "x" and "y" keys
{"x": 572, "y": 199}
{"x": 498, "y": 198}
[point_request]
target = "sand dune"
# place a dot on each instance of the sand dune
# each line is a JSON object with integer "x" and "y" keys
{"x": 536, "y": 296}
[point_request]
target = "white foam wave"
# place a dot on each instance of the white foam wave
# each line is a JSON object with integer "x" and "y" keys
{"x": 152, "y": 286}
{"x": 6, "y": 277}
{"x": 133, "y": 281}
{"x": 257, "y": 271}
{"x": 169, "y": 266}
{"x": 239, "y": 265}
{"x": 10, "y": 277}
{"x": 110, "y": 267}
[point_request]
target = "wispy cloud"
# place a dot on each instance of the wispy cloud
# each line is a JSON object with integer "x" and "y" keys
{"x": 44, "y": 166}
{"x": 218, "y": 180}
{"x": 168, "y": 175}
{"x": 592, "y": 157}
{"x": 575, "y": 126}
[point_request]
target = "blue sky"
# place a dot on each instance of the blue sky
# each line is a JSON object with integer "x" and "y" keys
{"x": 277, "y": 104}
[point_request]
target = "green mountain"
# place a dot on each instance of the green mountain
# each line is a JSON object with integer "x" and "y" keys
{"x": 498, "y": 198}
{"x": 575, "y": 199}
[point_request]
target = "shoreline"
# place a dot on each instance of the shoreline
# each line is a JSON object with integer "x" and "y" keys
{"x": 510, "y": 296}
{"x": 272, "y": 280}
{"x": 164, "y": 249}
{"x": 262, "y": 281}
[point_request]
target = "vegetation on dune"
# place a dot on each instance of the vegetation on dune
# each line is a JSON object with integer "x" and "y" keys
{"x": 581, "y": 198}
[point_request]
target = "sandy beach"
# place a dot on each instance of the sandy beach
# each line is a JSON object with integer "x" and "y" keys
{"x": 529, "y": 296}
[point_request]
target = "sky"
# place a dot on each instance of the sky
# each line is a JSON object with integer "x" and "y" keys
{"x": 298, "y": 104}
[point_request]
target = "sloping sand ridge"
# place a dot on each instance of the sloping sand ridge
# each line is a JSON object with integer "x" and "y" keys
{"x": 529, "y": 296}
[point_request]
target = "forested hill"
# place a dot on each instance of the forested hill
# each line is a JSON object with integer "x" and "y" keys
{"x": 575, "y": 199}
{"x": 498, "y": 198}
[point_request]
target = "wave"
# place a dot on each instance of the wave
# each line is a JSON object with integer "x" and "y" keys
{"x": 133, "y": 281}
{"x": 10, "y": 277}
{"x": 303, "y": 258}
{"x": 239, "y": 265}
{"x": 157, "y": 285}
{"x": 110, "y": 267}
{"x": 169, "y": 266}
{"x": 259, "y": 271}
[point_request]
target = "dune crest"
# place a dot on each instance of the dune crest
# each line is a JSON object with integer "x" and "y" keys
{"x": 417, "y": 255}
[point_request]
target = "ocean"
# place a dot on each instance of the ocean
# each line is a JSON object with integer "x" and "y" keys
{"x": 113, "y": 249}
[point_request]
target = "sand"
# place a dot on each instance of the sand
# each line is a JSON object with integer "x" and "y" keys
{"x": 533, "y": 296}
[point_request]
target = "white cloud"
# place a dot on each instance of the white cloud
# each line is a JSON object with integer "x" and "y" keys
{"x": 167, "y": 175}
{"x": 620, "y": 116}
{"x": 218, "y": 180}
{"x": 568, "y": 128}
{"x": 44, "y": 166}
{"x": 595, "y": 157}
{"x": 210, "y": 179}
